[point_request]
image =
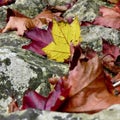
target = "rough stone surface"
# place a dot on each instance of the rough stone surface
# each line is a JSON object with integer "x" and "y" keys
{"x": 12, "y": 39}
{"x": 92, "y": 36}
{"x": 111, "y": 113}
{"x": 57, "y": 2}
{"x": 85, "y": 10}
{"x": 20, "y": 69}
{"x": 29, "y": 8}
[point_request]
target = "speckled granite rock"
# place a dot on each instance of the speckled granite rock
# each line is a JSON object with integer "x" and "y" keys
{"x": 20, "y": 69}
{"x": 12, "y": 39}
{"x": 3, "y": 16}
{"x": 86, "y": 10}
{"x": 29, "y": 8}
{"x": 111, "y": 113}
{"x": 93, "y": 35}
{"x": 57, "y": 2}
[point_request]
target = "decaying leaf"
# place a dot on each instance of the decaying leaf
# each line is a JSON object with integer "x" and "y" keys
{"x": 89, "y": 92}
{"x": 17, "y": 21}
{"x": 116, "y": 83}
{"x": 86, "y": 89}
{"x": 110, "y": 17}
{"x": 110, "y": 49}
{"x": 63, "y": 34}
{"x": 49, "y": 16}
{"x": 32, "y": 99}
{"x": 14, "y": 13}
{"x": 19, "y": 24}
{"x": 23, "y": 23}
{"x": 111, "y": 57}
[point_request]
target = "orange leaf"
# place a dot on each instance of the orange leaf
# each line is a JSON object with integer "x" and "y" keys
{"x": 22, "y": 23}
{"x": 89, "y": 91}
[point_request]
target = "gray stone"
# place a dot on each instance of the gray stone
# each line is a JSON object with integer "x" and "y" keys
{"x": 111, "y": 113}
{"x": 3, "y": 13}
{"x": 85, "y": 10}
{"x": 92, "y": 36}
{"x": 21, "y": 69}
{"x": 12, "y": 39}
{"x": 57, "y": 2}
{"x": 29, "y": 8}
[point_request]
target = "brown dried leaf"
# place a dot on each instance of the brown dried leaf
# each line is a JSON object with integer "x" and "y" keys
{"x": 22, "y": 23}
{"x": 19, "y": 24}
{"x": 111, "y": 57}
{"x": 89, "y": 92}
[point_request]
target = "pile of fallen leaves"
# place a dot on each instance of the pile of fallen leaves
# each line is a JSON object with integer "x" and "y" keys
{"x": 93, "y": 80}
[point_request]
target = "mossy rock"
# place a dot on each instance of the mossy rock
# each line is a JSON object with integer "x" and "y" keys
{"x": 21, "y": 69}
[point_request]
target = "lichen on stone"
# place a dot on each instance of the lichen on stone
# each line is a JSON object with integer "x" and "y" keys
{"x": 21, "y": 69}
{"x": 57, "y": 2}
{"x": 93, "y": 35}
{"x": 85, "y": 10}
{"x": 29, "y": 8}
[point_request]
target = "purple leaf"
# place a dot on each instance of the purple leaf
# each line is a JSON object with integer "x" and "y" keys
{"x": 32, "y": 99}
{"x": 39, "y": 39}
{"x": 57, "y": 97}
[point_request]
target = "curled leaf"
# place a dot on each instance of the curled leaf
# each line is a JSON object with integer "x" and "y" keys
{"x": 21, "y": 23}
{"x": 32, "y": 99}
{"x": 110, "y": 17}
{"x": 111, "y": 57}
{"x": 89, "y": 91}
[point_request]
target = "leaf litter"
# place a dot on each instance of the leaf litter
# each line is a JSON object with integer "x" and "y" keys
{"x": 91, "y": 84}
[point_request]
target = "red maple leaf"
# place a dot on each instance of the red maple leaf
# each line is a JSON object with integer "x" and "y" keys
{"x": 32, "y": 99}
{"x": 110, "y": 17}
{"x": 39, "y": 39}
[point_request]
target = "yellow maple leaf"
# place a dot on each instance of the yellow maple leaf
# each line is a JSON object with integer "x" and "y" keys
{"x": 63, "y": 34}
